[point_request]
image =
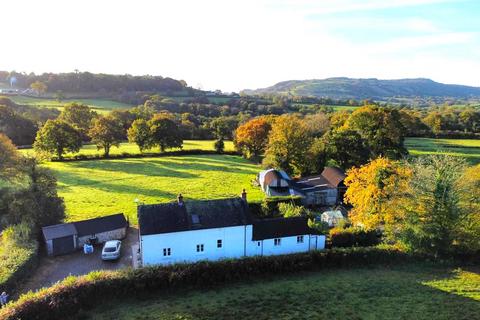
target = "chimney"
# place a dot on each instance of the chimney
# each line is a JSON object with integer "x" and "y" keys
{"x": 180, "y": 199}
{"x": 244, "y": 195}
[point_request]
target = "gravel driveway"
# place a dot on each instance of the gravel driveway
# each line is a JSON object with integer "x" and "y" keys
{"x": 53, "y": 269}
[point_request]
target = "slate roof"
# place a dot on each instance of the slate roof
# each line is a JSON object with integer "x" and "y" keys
{"x": 99, "y": 225}
{"x": 58, "y": 231}
{"x": 281, "y": 227}
{"x": 173, "y": 217}
{"x": 331, "y": 177}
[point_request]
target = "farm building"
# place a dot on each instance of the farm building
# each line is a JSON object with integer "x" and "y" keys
{"x": 217, "y": 229}
{"x": 68, "y": 237}
{"x": 325, "y": 189}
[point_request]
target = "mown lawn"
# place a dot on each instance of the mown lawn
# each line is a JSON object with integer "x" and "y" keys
{"x": 466, "y": 148}
{"x": 132, "y": 148}
{"x": 99, "y": 105}
{"x": 102, "y": 187}
{"x": 407, "y": 292}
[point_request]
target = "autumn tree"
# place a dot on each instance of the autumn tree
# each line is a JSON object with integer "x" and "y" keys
{"x": 105, "y": 133}
{"x": 9, "y": 158}
{"x": 251, "y": 138}
{"x": 288, "y": 145}
{"x": 164, "y": 132}
{"x": 373, "y": 191}
{"x": 317, "y": 124}
{"x": 139, "y": 133}
{"x": 39, "y": 87}
{"x": 79, "y": 116}
{"x": 57, "y": 137}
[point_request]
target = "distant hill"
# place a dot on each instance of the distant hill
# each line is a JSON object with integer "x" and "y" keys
{"x": 348, "y": 88}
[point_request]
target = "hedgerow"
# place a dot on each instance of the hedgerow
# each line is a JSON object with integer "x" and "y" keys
{"x": 82, "y": 293}
{"x": 18, "y": 257}
{"x": 125, "y": 155}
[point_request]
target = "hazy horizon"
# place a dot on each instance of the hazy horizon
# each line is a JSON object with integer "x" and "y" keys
{"x": 235, "y": 45}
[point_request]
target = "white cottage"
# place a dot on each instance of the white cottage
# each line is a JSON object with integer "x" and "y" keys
{"x": 191, "y": 231}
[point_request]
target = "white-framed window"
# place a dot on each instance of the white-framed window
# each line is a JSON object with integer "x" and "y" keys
{"x": 200, "y": 247}
{"x": 299, "y": 239}
{"x": 167, "y": 252}
{"x": 277, "y": 241}
{"x": 219, "y": 243}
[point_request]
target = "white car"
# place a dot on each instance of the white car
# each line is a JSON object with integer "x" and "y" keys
{"x": 111, "y": 250}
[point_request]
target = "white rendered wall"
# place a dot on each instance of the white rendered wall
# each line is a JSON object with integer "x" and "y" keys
{"x": 183, "y": 245}
{"x": 287, "y": 245}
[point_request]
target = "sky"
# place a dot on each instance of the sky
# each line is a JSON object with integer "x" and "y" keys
{"x": 237, "y": 44}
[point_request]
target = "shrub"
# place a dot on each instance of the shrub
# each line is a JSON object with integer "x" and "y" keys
{"x": 270, "y": 204}
{"x": 76, "y": 293}
{"x": 353, "y": 237}
{"x": 18, "y": 256}
{"x": 219, "y": 146}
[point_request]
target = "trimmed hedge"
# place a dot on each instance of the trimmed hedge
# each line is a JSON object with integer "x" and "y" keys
{"x": 16, "y": 265}
{"x": 81, "y": 293}
{"x": 353, "y": 237}
{"x": 125, "y": 155}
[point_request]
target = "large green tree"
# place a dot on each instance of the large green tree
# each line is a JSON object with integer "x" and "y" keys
{"x": 79, "y": 116}
{"x": 105, "y": 133}
{"x": 58, "y": 137}
{"x": 139, "y": 133}
{"x": 345, "y": 147}
{"x": 434, "y": 215}
{"x": 381, "y": 129}
{"x": 164, "y": 132}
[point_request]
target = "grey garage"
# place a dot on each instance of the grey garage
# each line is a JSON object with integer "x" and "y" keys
{"x": 68, "y": 237}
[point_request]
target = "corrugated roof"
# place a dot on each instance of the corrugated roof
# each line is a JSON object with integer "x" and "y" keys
{"x": 58, "y": 231}
{"x": 172, "y": 217}
{"x": 99, "y": 225}
{"x": 281, "y": 227}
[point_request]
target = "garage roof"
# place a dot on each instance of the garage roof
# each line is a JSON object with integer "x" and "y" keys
{"x": 58, "y": 231}
{"x": 99, "y": 225}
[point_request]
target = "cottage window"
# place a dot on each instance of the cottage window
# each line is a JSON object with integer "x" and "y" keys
{"x": 219, "y": 243}
{"x": 199, "y": 247}
{"x": 277, "y": 241}
{"x": 167, "y": 252}
{"x": 299, "y": 239}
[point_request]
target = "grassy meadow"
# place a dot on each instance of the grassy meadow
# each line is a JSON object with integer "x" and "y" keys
{"x": 406, "y": 292}
{"x": 102, "y": 187}
{"x": 99, "y": 105}
{"x": 466, "y": 148}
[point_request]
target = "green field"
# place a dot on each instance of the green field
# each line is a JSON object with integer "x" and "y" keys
{"x": 102, "y": 187}
{"x": 99, "y": 105}
{"x": 466, "y": 148}
{"x": 407, "y": 292}
{"x": 132, "y": 148}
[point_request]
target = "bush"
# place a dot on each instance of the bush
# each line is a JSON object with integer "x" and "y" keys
{"x": 76, "y": 293}
{"x": 18, "y": 256}
{"x": 353, "y": 237}
{"x": 270, "y": 204}
{"x": 219, "y": 146}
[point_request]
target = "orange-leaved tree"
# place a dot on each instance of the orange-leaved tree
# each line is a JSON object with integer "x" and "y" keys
{"x": 251, "y": 138}
{"x": 375, "y": 191}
